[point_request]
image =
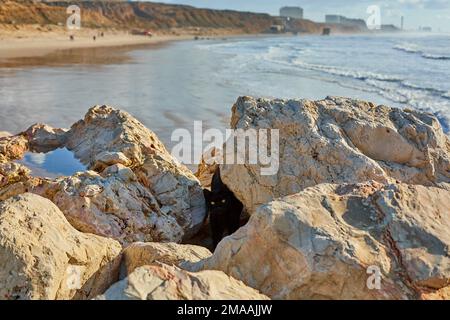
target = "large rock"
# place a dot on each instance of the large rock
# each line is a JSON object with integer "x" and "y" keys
{"x": 43, "y": 257}
{"x": 107, "y": 137}
{"x": 44, "y": 138}
{"x": 338, "y": 140}
{"x": 4, "y": 134}
{"x": 15, "y": 179}
{"x": 163, "y": 282}
{"x": 13, "y": 147}
{"x": 114, "y": 205}
{"x": 327, "y": 242}
{"x": 140, "y": 254}
{"x": 116, "y": 132}
{"x": 134, "y": 191}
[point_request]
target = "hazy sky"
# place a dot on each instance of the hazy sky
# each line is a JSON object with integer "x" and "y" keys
{"x": 434, "y": 13}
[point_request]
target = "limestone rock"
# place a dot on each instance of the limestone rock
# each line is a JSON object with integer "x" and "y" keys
{"x": 135, "y": 190}
{"x": 141, "y": 254}
{"x": 4, "y": 134}
{"x": 43, "y": 138}
{"x": 327, "y": 241}
{"x": 13, "y": 147}
{"x": 206, "y": 168}
{"x": 43, "y": 257}
{"x": 338, "y": 140}
{"x": 107, "y": 136}
{"x": 418, "y": 224}
{"x": 106, "y": 159}
{"x": 163, "y": 282}
{"x": 105, "y": 129}
{"x": 115, "y": 205}
{"x": 178, "y": 192}
{"x": 15, "y": 179}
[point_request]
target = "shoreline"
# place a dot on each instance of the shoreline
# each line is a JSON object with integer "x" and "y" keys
{"x": 18, "y": 51}
{"x": 29, "y": 48}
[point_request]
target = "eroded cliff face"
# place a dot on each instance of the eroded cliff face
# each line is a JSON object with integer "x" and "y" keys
{"x": 127, "y": 15}
{"x": 155, "y": 16}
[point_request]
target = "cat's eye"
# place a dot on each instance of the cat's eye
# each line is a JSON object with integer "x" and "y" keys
{"x": 213, "y": 203}
{"x": 223, "y": 201}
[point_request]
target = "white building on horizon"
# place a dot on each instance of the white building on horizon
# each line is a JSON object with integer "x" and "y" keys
{"x": 338, "y": 19}
{"x": 291, "y": 12}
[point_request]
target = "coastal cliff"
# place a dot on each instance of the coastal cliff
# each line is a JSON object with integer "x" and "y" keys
{"x": 147, "y": 15}
{"x": 360, "y": 188}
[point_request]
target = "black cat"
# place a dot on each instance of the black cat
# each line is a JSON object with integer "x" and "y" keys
{"x": 224, "y": 209}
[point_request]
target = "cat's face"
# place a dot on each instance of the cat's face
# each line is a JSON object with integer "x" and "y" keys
{"x": 216, "y": 202}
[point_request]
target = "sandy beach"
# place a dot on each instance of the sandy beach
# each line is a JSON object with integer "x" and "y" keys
{"x": 21, "y": 47}
{"x": 33, "y": 45}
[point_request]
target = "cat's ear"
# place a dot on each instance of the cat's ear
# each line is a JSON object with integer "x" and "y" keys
{"x": 207, "y": 194}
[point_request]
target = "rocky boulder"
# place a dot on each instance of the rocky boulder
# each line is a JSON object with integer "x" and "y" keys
{"x": 4, "y": 134}
{"x": 107, "y": 137}
{"x": 140, "y": 254}
{"x": 43, "y": 257}
{"x": 338, "y": 140}
{"x": 163, "y": 282}
{"x": 356, "y": 241}
{"x": 12, "y": 147}
{"x": 114, "y": 205}
{"x": 44, "y": 138}
{"x": 15, "y": 179}
{"x": 133, "y": 190}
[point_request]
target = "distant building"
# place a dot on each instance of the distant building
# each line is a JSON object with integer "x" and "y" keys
{"x": 425, "y": 29}
{"x": 291, "y": 12}
{"x": 337, "y": 19}
{"x": 389, "y": 28}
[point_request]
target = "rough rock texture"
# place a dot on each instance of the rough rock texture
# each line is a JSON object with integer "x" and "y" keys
{"x": 206, "y": 168}
{"x": 135, "y": 190}
{"x": 114, "y": 206}
{"x": 15, "y": 179}
{"x": 12, "y": 147}
{"x": 338, "y": 140}
{"x": 141, "y": 254}
{"x": 43, "y": 257}
{"x": 320, "y": 243}
{"x": 4, "y": 134}
{"x": 163, "y": 282}
{"x": 107, "y": 137}
{"x": 43, "y": 138}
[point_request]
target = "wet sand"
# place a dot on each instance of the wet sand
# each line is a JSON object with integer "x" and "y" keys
{"x": 39, "y": 46}
{"x": 101, "y": 55}
{"x": 28, "y": 47}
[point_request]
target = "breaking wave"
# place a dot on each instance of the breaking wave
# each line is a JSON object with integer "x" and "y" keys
{"x": 414, "y": 49}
